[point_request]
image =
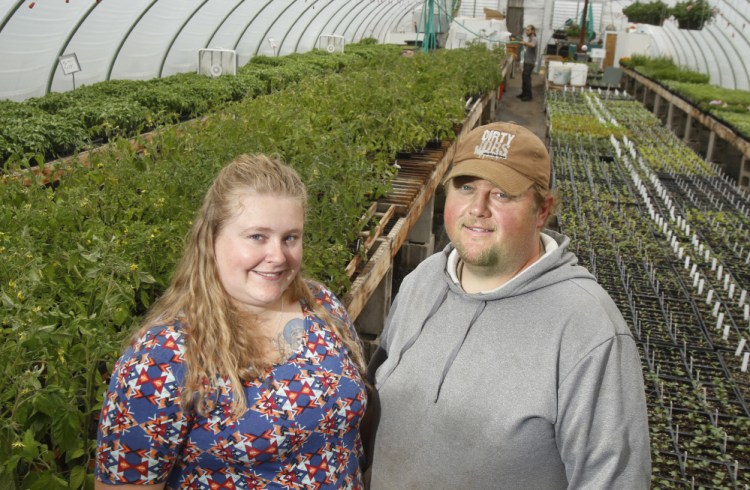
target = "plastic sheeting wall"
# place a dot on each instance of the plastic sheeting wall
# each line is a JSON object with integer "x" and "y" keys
{"x": 143, "y": 39}
{"x": 721, "y": 49}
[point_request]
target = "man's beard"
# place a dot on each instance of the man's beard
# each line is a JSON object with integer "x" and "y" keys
{"x": 489, "y": 259}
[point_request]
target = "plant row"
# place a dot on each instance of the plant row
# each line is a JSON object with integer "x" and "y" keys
{"x": 732, "y": 106}
{"x": 632, "y": 204}
{"x": 61, "y": 123}
{"x": 84, "y": 259}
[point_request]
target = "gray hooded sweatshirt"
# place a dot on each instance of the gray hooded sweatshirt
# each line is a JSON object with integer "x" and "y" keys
{"x": 536, "y": 385}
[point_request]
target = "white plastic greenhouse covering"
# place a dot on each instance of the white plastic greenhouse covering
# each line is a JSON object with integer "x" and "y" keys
{"x": 721, "y": 49}
{"x": 144, "y": 39}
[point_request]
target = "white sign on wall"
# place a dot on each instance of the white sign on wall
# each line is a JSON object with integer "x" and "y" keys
{"x": 69, "y": 64}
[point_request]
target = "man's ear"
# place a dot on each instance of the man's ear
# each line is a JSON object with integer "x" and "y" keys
{"x": 544, "y": 211}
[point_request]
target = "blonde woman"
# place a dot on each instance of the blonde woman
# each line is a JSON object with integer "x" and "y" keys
{"x": 244, "y": 374}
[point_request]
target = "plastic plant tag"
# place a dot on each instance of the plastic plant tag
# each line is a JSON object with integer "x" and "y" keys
{"x": 740, "y": 347}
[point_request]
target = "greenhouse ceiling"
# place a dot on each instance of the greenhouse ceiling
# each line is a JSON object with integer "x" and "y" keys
{"x": 44, "y": 43}
{"x": 57, "y": 45}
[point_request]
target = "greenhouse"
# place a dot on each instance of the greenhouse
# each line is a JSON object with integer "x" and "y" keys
{"x": 119, "y": 119}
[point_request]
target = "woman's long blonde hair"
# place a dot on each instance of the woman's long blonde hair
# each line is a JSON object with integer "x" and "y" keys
{"x": 222, "y": 341}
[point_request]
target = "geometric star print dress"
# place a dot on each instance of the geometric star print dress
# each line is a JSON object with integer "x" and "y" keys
{"x": 301, "y": 429}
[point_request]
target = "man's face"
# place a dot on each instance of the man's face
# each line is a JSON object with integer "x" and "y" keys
{"x": 529, "y": 31}
{"x": 495, "y": 234}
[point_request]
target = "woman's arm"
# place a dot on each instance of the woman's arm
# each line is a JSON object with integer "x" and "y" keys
{"x": 142, "y": 424}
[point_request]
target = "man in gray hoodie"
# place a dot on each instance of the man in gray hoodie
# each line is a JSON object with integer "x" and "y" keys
{"x": 504, "y": 364}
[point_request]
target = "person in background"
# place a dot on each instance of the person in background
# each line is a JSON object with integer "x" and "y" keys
{"x": 504, "y": 364}
{"x": 529, "y": 61}
{"x": 244, "y": 374}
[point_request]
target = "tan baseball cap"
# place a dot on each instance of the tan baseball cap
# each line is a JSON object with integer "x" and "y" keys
{"x": 506, "y": 154}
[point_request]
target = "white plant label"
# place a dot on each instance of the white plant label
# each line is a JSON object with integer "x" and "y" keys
{"x": 740, "y": 347}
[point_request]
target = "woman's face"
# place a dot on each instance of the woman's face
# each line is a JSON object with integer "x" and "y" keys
{"x": 259, "y": 250}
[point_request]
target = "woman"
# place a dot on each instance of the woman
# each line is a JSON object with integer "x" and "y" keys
{"x": 244, "y": 374}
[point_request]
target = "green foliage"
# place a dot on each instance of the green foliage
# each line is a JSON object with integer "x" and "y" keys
{"x": 83, "y": 261}
{"x": 728, "y": 105}
{"x": 652, "y": 13}
{"x": 740, "y": 122}
{"x": 731, "y": 106}
{"x": 27, "y": 130}
{"x": 573, "y": 30}
{"x": 58, "y": 124}
{"x": 693, "y": 14}
{"x": 663, "y": 68}
{"x": 703, "y": 94}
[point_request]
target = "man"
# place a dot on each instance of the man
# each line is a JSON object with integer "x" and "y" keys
{"x": 504, "y": 364}
{"x": 529, "y": 61}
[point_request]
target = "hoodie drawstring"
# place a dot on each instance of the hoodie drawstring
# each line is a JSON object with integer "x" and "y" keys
{"x": 454, "y": 353}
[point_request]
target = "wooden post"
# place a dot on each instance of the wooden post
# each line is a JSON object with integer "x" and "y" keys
{"x": 374, "y": 313}
{"x": 711, "y": 145}
{"x": 657, "y": 105}
{"x": 670, "y": 115}
{"x": 688, "y": 125}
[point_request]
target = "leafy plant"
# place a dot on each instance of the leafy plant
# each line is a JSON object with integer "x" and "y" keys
{"x": 83, "y": 260}
{"x": 693, "y": 14}
{"x": 652, "y": 13}
{"x": 59, "y": 124}
{"x": 573, "y": 30}
{"x": 663, "y": 68}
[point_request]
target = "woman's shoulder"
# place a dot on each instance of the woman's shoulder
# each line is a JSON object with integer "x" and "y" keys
{"x": 159, "y": 343}
{"x": 323, "y": 296}
{"x": 322, "y": 293}
{"x": 169, "y": 334}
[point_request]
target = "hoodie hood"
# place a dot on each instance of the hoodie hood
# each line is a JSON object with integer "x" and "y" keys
{"x": 553, "y": 267}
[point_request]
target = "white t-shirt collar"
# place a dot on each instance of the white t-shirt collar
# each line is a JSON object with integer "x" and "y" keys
{"x": 453, "y": 263}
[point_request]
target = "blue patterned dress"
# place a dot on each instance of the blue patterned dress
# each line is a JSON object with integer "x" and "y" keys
{"x": 300, "y": 429}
